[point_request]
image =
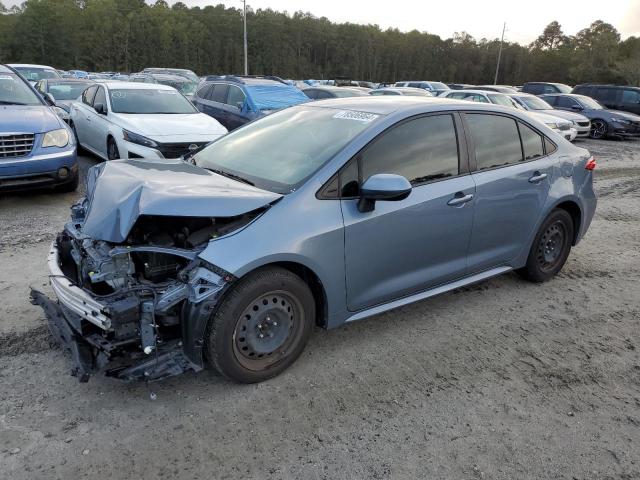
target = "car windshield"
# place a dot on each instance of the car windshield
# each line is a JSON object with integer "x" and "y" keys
{"x": 500, "y": 99}
{"x": 186, "y": 88}
{"x": 149, "y": 100}
{"x": 281, "y": 151}
{"x": 439, "y": 86}
{"x": 35, "y": 74}
{"x": 588, "y": 102}
{"x": 67, "y": 90}
{"x": 14, "y": 91}
{"x": 563, "y": 88}
{"x": 349, "y": 92}
{"x": 535, "y": 103}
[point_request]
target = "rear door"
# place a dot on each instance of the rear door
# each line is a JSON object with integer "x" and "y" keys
{"x": 234, "y": 105}
{"x": 402, "y": 247}
{"x": 609, "y": 97}
{"x": 212, "y": 103}
{"x": 82, "y": 114}
{"x": 512, "y": 177}
{"x": 631, "y": 100}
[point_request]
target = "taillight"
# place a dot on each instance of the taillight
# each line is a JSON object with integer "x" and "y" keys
{"x": 591, "y": 164}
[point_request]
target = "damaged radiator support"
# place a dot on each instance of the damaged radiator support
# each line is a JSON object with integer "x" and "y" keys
{"x": 143, "y": 330}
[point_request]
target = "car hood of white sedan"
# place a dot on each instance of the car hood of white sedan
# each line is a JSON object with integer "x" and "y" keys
{"x": 160, "y": 126}
{"x": 564, "y": 114}
{"x": 546, "y": 118}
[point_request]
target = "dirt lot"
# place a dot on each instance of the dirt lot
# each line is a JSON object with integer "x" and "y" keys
{"x": 505, "y": 379}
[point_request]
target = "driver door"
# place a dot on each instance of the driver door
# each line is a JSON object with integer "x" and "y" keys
{"x": 405, "y": 246}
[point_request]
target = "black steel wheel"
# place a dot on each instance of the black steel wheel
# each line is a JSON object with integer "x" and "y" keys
{"x": 112, "y": 149}
{"x": 261, "y": 326}
{"x": 550, "y": 248}
{"x": 599, "y": 129}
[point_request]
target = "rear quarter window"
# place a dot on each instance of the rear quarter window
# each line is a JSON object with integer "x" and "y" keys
{"x": 496, "y": 140}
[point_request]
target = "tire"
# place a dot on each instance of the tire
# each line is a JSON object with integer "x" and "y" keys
{"x": 261, "y": 326}
{"x": 550, "y": 248}
{"x": 112, "y": 149}
{"x": 72, "y": 186}
{"x": 599, "y": 129}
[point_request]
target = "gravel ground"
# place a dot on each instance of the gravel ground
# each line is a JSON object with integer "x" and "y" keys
{"x": 504, "y": 379}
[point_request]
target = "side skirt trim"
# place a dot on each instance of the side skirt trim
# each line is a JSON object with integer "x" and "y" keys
{"x": 428, "y": 293}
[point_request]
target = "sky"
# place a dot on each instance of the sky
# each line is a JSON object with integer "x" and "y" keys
{"x": 525, "y": 20}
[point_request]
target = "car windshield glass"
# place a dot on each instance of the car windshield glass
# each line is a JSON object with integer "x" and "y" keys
{"x": 349, "y": 92}
{"x": 588, "y": 102}
{"x": 535, "y": 103}
{"x": 14, "y": 91}
{"x": 149, "y": 100}
{"x": 35, "y": 74}
{"x": 563, "y": 88}
{"x": 281, "y": 151}
{"x": 439, "y": 86}
{"x": 67, "y": 90}
{"x": 500, "y": 99}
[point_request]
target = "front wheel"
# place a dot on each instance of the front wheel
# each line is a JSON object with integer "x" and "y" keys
{"x": 599, "y": 129}
{"x": 112, "y": 150}
{"x": 262, "y": 325}
{"x": 550, "y": 248}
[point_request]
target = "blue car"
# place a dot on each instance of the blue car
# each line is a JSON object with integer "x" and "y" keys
{"x": 236, "y": 100}
{"x": 37, "y": 148}
{"x": 320, "y": 214}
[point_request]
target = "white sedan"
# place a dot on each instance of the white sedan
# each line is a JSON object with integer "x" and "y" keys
{"x": 135, "y": 120}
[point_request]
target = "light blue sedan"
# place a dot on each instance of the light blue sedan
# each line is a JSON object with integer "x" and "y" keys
{"x": 320, "y": 214}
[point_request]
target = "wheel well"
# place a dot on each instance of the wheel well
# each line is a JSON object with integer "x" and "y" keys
{"x": 573, "y": 209}
{"x": 314, "y": 284}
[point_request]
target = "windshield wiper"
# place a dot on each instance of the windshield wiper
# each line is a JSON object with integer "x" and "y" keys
{"x": 231, "y": 176}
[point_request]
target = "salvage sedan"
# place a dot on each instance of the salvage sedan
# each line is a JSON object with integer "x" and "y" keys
{"x": 319, "y": 214}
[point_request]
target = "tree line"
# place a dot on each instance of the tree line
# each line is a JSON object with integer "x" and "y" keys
{"x": 128, "y": 35}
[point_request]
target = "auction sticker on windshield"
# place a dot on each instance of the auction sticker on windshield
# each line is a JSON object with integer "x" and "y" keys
{"x": 358, "y": 116}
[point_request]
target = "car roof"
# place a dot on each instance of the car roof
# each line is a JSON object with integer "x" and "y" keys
{"x": 471, "y": 90}
{"x": 30, "y": 65}
{"x": 387, "y": 104}
{"x": 117, "y": 84}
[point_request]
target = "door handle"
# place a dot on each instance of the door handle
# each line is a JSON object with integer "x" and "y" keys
{"x": 460, "y": 199}
{"x": 537, "y": 177}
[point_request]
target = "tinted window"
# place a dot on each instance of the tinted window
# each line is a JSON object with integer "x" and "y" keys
{"x": 100, "y": 97}
{"x": 415, "y": 85}
{"x": 630, "y": 96}
{"x": 548, "y": 146}
{"x": 420, "y": 150}
{"x": 149, "y": 100}
{"x": 89, "y": 93}
{"x": 566, "y": 102}
{"x": 311, "y": 93}
{"x": 203, "y": 90}
{"x": 551, "y": 100}
{"x": 534, "y": 88}
{"x": 218, "y": 93}
{"x": 532, "y": 142}
{"x": 236, "y": 96}
{"x": 496, "y": 140}
{"x": 323, "y": 95}
{"x": 606, "y": 95}
{"x": 549, "y": 89}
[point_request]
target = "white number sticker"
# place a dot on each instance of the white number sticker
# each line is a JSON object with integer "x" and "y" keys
{"x": 358, "y": 116}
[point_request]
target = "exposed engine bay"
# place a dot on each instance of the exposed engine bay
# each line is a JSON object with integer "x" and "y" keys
{"x": 136, "y": 309}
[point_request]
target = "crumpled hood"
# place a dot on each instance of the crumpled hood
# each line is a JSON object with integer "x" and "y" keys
{"x": 119, "y": 191}
{"x": 160, "y": 125}
{"x": 27, "y": 119}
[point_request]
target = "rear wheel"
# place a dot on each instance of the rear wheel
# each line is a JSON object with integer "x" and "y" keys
{"x": 550, "y": 248}
{"x": 262, "y": 326}
{"x": 599, "y": 129}
{"x": 112, "y": 149}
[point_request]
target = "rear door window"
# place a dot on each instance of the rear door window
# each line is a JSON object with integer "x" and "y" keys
{"x": 606, "y": 95}
{"x": 496, "y": 140}
{"x": 631, "y": 96}
{"x": 566, "y": 102}
{"x": 203, "y": 91}
{"x": 534, "y": 88}
{"x": 218, "y": 93}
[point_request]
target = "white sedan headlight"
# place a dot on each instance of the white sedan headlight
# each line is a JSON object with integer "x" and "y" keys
{"x": 56, "y": 138}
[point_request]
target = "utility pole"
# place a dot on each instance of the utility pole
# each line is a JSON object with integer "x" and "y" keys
{"x": 495, "y": 79}
{"x": 244, "y": 18}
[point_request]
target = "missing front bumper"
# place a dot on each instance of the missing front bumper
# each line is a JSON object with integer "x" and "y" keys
{"x": 91, "y": 353}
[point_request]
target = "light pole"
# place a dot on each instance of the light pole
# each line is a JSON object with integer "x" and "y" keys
{"x": 244, "y": 18}
{"x": 495, "y": 79}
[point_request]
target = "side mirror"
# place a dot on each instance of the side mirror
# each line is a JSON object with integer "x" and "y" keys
{"x": 100, "y": 108}
{"x": 48, "y": 98}
{"x": 383, "y": 186}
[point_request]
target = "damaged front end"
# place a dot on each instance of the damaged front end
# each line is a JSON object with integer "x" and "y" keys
{"x": 136, "y": 309}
